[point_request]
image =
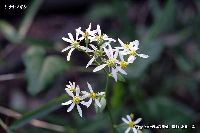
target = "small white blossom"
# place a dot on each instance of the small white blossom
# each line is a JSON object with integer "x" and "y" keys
{"x": 97, "y": 52}
{"x": 101, "y": 37}
{"x": 76, "y": 100}
{"x": 71, "y": 86}
{"x": 122, "y": 64}
{"x": 74, "y": 44}
{"x": 93, "y": 96}
{"x": 131, "y": 124}
{"x": 88, "y": 34}
{"x": 130, "y": 49}
{"x": 111, "y": 62}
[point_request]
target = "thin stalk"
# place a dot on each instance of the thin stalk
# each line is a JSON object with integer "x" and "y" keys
{"x": 108, "y": 105}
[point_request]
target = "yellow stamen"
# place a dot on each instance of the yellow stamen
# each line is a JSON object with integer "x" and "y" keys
{"x": 93, "y": 95}
{"x": 133, "y": 53}
{"x": 72, "y": 89}
{"x": 123, "y": 64}
{"x": 76, "y": 99}
{"x": 99, "y": 39}
{"x": 110, "y": 62}
{"x": 132, "y": 115}
{"x": 75, "y": 44}
{"x": 126, "y": 45}
{"x": 131, "y": 124}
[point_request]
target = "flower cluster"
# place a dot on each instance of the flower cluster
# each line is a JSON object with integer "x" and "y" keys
{"x": 113, "y": 59}
{"x": 78, "y": 97}
{"x": 131, "y": 123}
{"x": 98, "y": 46}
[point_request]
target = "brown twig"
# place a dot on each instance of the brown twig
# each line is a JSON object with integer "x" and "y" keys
{"x": 12, "y": 76}
{"x": 34, "y": 122}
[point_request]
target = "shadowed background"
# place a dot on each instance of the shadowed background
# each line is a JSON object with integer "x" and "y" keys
{"x": 163, "y": 89}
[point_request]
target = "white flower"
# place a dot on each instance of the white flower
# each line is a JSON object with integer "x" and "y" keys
{"x": 88, "y": 34}
{"x": 76, "y": 100}
{"x": 131, "y": 124}
{"x": 101, "y": 37}
{"x": 71, "y": 86}
{"x": 93, "y": 96}
{"x": 97, "y": 52}
{"x": 122, "y": 64}
{"x": 74, "y": 44}
{"x": 111, "y": 62}
{"x": 130, "y": 49}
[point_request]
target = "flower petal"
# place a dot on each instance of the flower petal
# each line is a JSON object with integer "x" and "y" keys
{"x": 93, "y": 47}
{"x": 69, "y": 54}
{"x": 85, "y": 96}
{"x": 67, "y": 48}
{"x": 97, "y": 103}
{"x": 98, "y": 29}
{"x": 89, "y": 27}
{"x": 89, "y": 87}
{"x": 129, "y": 118}
{"x": 67, "y": 39}
{"x": 116, "y": 53}
{"x": 127, "y": 130}
{"x": 71, "y": 37}
{"x": 121, "y": 70}
{"x": 136, "y": 44}
{"x": 143, "y": 55}
{"x": 131, "y": 59}
{"x": 114, "y": 74}
{"x": 121, "y": 56}
{"x": 90, "y": 62}
{"x": 88, "y": 103}
{"x": 98, "y": 68}
{"x": 70, "y": 107}
{"x": 122, "y": 44}
{"x": 77, "y": 90}
{"x": 69, "y": 93}
{"x": 124, "y": 120}
{"x": 79, "y": 110}
{"x": 138, "y": 120}
{"x": 134, "y": 130}
{"x": 67, "y": 103}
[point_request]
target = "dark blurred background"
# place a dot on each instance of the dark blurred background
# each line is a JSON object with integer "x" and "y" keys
{"x": 163, "y": 89}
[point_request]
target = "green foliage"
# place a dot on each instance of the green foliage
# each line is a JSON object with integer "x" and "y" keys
{"x": 28, "y": 17}
{"x": 183, "y": 64}
{"x": 117, "y": 96}
{"x": 40, "y": 71}
{"x": 172, "y": 111}
{"x": 169, "y": 34}
{"x": 103, "y": 105}
{"x": 100, "y": 11}
{"x": 37, "y": 113}
{"x": 9, "y": 32}
{"x": 154, "y": 50}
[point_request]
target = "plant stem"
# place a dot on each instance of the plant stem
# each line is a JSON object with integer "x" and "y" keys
{"x": 108, "y": 105}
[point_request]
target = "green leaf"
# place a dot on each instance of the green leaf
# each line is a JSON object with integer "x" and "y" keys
{"x": 38, "y": 113}
{"x": 41, "y": 71}
{"x": 120, "y": 78}
{"x": 9, "y": 32}
{"x": 117, "y": 95}
{"x": 154, "y": 50}
{"x": 164, "y": 21}
{"x": 100, "y": 11}
{"x": 183, "y": 64}
{"x": 33, "y": 60}
{"x": 103, "y": 105}
{"x": 28, "y": 17}
{"x": 38, "y": 42}
{"x": 52, "y": 66}
{"x": 167, "y": 111}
